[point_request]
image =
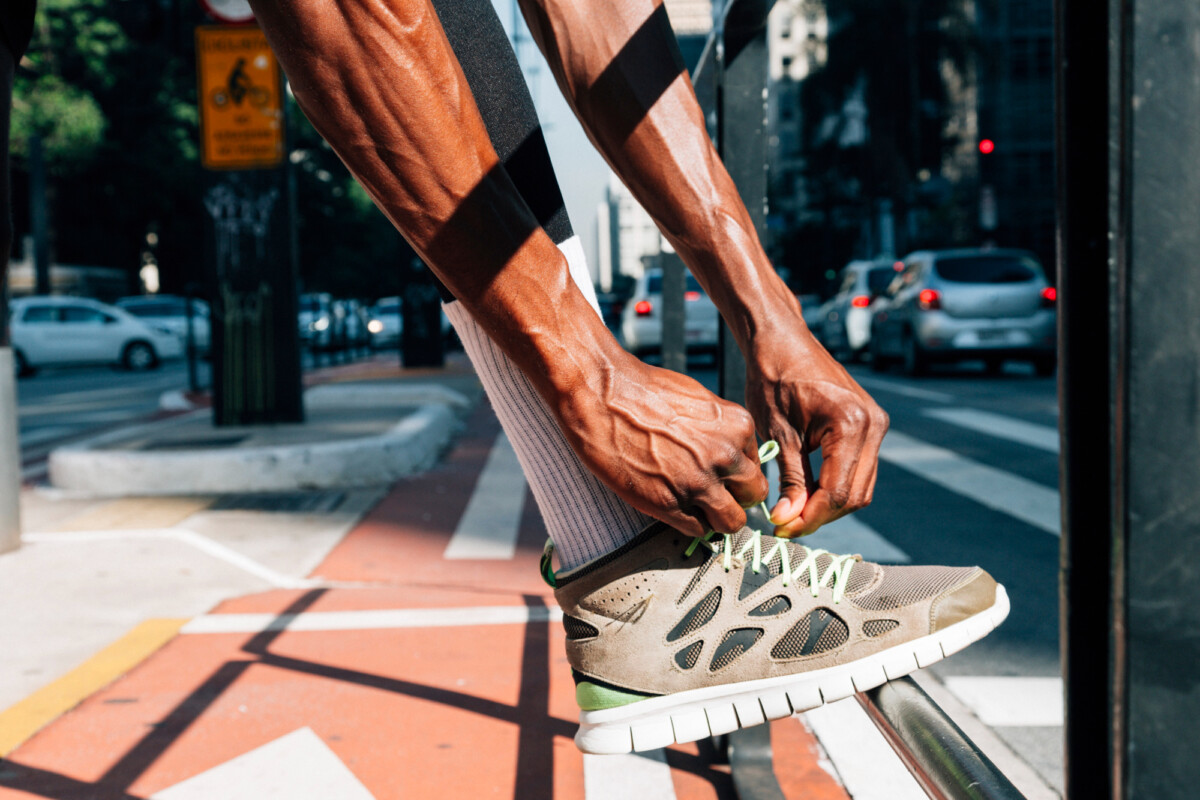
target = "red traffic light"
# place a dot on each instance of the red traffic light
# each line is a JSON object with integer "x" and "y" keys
{"x": 986, "y": 146}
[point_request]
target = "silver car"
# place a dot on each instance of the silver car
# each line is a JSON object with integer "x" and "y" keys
{"x": 846, "y": 317}
{"x": 641, "y": 320}
{"x": 958, "y": 305}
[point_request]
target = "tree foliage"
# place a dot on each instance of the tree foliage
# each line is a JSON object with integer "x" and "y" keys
{"x": 110, "y": 86}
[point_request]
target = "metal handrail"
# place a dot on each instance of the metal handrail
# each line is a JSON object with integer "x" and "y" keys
{"x": 941, "y": 758}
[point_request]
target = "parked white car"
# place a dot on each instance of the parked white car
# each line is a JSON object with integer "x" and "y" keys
{"x": 169, "y": 311}
{"x": 67, "y": 331}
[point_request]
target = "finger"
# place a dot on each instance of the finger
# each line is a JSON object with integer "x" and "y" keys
{"x": 683, "y": 522}
{"x": 723, "y": 513}
{"x": 819, "y": 510}
{"x": 795, "y": 482}
{"x": 833, "y": 493}
{"x": 748, "y": 485}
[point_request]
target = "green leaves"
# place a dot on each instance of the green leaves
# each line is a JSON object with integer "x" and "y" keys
{"x": 68, "y": 119}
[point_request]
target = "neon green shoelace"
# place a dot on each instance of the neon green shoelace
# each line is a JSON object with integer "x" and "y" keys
{"x": 837, "y": 574}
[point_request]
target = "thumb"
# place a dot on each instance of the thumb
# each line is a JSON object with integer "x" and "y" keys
{"x": 795, "y": 485}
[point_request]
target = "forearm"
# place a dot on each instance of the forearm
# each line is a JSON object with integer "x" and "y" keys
{"x": 612, "y": 55}
{"x": 378, "y": 80}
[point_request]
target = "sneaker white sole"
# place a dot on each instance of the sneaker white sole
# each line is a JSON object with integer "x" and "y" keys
{"x": 699, "y": 713}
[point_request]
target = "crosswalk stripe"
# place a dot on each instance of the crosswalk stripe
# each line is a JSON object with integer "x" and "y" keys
{"x": 851, "y": 535}
{"x": 1041, "y": 437}
{"x": 489, "y": 525}
{"x": 1022, "y": 702}
{"x": 866, "y": 764}
{"x": 47, "y": 434}
{"x": 885, "y": 385}
{"x": 1020, "y": 498}
{"x": 645, "y": 776}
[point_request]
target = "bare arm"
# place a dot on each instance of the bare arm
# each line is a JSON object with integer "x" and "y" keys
{"x": 611, "y": 55}
{"x": 378, "y": 80}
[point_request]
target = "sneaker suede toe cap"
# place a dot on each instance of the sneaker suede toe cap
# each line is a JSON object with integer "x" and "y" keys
{"x": 976, "y": 594}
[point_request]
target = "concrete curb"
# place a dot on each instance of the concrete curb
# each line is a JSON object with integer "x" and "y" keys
{"x": 411, "y": 446}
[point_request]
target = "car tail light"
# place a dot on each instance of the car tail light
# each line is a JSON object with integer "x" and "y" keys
{"x": 691, "y": 296}
{"x": 643, "y": 308}
{"x": 929, "y": 299}
{"x": 1049, "y": 296}
{"x": 861, "y": 301}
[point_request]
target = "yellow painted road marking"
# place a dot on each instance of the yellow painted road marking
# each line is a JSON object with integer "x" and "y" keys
{"x": 22, "y": 720}
{"x": 136, "y": 513}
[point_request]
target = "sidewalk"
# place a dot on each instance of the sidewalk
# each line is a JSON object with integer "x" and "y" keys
{"x": 365, "y": 643}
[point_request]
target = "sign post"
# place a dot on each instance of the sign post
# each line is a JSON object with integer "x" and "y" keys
{"x": 255, "y": 346}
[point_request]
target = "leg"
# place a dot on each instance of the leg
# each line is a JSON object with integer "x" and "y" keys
{"x": 584, "y": 518}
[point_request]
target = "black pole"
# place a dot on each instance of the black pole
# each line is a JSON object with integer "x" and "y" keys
{"x": 39, "y": 217}
{"x": 189, "y": 299}
{"x": 674, "y": 312}
{"x": 1086, "y": 128}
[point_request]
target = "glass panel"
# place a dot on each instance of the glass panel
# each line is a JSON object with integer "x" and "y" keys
{"x": 987, "y": 269}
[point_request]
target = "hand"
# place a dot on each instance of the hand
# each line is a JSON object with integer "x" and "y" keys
{"x": 803, "y": 399}
{"x": 666, "y": 445}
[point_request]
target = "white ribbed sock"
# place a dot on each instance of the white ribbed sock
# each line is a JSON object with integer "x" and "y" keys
{"x": 583, "y": 516}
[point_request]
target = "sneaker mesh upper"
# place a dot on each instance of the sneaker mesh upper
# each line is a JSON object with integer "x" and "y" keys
{"x": 902, "y": 586}
{"x": 792, "y": 644}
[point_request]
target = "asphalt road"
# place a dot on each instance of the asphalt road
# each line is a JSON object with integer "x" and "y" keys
{"x": 57, "y": 406}
{"x": 969, "y": 476}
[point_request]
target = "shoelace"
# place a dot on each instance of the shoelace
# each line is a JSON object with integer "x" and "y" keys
{"x": 837, "y": 574}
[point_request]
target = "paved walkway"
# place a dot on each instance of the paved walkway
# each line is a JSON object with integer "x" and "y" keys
{"x": 421, "y": 658}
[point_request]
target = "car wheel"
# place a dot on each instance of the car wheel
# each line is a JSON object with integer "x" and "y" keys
{"x": 1044, "y": 367}
{"x": 915, "y": 361}
{"x": 139, "y": 357}
{"x": 21, "y": 366}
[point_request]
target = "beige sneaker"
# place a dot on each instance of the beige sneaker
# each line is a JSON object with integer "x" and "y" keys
{"x": 673, "y": 639}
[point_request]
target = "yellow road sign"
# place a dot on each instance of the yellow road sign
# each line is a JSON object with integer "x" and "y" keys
{"x": 241, "y": 117}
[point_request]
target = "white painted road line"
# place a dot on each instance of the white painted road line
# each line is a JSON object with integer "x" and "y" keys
{"x": 298, "y": 766}
{"x": 47, "y": 434}
{"x": 885, "y": 385}
{"x": 1020, "y": 498}
{"x": 865, "y": 763}
{"x": 190, "y": 538}
{"x": 1017, "y": 702}
{"x": 645, "y": 776}
{"x": 849, "y": 535}
{"x": 488, "y": 527}
{"x": 1041, "y": 437}
{"x": 373, "y": 619}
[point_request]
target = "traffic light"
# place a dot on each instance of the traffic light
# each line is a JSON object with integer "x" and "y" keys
{"x": 986, "y": 146}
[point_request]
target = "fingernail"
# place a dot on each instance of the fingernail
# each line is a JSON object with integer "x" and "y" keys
{"x": 781, "y": 509}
